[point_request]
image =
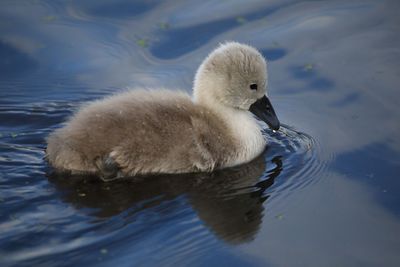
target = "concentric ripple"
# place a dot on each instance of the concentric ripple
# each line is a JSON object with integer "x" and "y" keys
{"x": 294, "y": 157}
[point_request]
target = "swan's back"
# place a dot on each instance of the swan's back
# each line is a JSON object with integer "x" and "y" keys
{"x": 146, "y": 132}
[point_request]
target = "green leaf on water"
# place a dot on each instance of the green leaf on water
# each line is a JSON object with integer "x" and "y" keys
{"x": 49, "y": 18}
{"x": 241, "y": 20}
{"x": 275, "y": 44}
{"x": 308, "y": 67}
{"x": 370, "y": 175}
{"x": 164, "y": 25}
{"x": 142, "y": 42}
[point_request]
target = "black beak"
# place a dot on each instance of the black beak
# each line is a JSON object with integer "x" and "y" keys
{"x": 263, "y": 109}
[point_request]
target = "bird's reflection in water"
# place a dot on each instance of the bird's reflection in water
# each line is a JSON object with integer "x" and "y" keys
{"x": 229, "y": 202}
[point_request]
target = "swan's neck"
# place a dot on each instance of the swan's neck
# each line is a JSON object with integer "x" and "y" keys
{"x": 246, "y": 132}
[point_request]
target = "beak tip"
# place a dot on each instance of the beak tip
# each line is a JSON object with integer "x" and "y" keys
{"x": 275, "y": 127}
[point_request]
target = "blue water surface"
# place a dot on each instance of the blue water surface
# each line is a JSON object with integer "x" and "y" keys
{"x": 324, "y": 193}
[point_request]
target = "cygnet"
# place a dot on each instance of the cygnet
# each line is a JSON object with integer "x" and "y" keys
{"x": 142, "y": 132}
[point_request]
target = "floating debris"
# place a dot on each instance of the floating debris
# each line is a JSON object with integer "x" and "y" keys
{"x": 13, "y": 135}
{"x": 49, "y": 18}
{"x": 241, "y": 20}
{"x": 275, "y": 44}
{"x": 164, "y": 25}
{"x": 82, "y": 194}
{"x": 13, "y": 217}
{"x": 308, "y": 67}
{"x": 370, "y": 175}
{"x": 40, "y": 228}
{"x": 142, "y": 42}
{"x": 279, "y": 216}
{"x": 103, "y": 251}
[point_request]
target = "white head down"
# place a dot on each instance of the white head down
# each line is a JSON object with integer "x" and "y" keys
{"x": 235, "y": 76}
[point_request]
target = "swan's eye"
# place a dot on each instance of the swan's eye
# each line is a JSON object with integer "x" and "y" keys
{"x": 253, "y": 86}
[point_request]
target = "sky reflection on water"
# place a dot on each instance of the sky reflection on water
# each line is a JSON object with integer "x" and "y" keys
{"x": 327, "y": 199}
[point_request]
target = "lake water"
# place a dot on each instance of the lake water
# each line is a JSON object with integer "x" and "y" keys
{"x": 324, "y": 193}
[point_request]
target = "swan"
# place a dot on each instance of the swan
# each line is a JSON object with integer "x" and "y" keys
{"x": 142, "y": 132}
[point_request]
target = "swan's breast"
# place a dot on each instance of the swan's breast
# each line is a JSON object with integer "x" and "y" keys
{"x": 249, "y": 139}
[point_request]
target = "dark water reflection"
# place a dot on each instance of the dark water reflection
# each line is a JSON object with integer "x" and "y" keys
{"x": 182, "y": 37}
{"x": 120, "y": 9}
{"x": 326, "y": 197}
{"x": 228, "y": 202}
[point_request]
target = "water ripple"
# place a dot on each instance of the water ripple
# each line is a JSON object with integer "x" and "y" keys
{"x": 297, "y": 155}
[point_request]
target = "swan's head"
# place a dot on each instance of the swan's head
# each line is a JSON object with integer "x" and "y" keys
{"x": 235, "y": 75}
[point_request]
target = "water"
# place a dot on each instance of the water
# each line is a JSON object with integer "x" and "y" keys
{"x": 323, "y": 194}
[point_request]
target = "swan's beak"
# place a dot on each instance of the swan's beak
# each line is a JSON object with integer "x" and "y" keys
{"x": 263, "y": 109}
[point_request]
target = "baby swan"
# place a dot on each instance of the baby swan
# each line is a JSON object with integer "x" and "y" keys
{"x": 147, "y": 132}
